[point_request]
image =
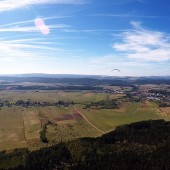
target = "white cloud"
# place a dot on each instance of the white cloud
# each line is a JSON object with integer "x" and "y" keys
{"x": 32, "y": 21}
{"x": 124, "y": 15}
{"x": 25, "y": 49}
{"x": 15, "y": 4}
{"x": 33, "y": 49}
{"x": 30, "y": 28}
{"x": 143, "y": 44}
{"x": 128, "y": 67}
{"x": 121, "y": 2}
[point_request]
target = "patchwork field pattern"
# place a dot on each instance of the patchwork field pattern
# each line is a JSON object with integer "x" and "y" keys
{"x": 12, "y": 133}
{"x": 20, "y": 126}
{"x": 55, "y": 96}
{"x": 106, "y": 119}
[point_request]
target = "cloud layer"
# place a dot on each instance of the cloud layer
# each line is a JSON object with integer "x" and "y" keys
{"x": 6, "y": 5}
{"x": 143, "y": 44}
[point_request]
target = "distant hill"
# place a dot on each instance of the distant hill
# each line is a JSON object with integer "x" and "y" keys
{"x": 61, "y": 76}
{"x": 143, "y": 145}
{"x": 91, "y": 80}
{"x": 43, "y": 75}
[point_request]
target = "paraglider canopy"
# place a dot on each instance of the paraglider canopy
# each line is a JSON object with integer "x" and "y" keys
{"x": 116, "y": 70}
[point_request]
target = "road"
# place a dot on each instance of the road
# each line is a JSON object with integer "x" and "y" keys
{"x": 91, "y": 123}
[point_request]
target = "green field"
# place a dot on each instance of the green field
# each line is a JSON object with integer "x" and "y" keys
{"x": 70, "y": 129}
{"x": 11, "y": 129}
{"x": 55, "y": 96}
{"x": 20, "y": 126}
{"x": 106, "y": 119}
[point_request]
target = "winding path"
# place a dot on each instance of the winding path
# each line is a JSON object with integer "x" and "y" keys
{"x": 91, "y": 123}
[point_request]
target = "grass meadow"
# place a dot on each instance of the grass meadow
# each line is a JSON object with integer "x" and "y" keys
{"x": 20, "y": 126}
{"x": 55, "y": 96}
{"x": 106, "y": 119}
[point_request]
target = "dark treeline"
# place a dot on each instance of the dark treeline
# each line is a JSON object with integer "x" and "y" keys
{"x": 64, "y": 88}
{"x": 71, "y": 81}
{"x": 163, "y": 92}
{"x": 43, "y": 134}
{"x": 165, "y": 100}
{"x": 104, "y": 104}
{"x": 133, "y": 97}
{"x": 164, "y": 104}
{"x": 153, "y": 81}
{"x": 87, "y": 81}
{"x": 67, "y": 88}
{"x": 29, "y": 103}
{"x": 143, "y": 145}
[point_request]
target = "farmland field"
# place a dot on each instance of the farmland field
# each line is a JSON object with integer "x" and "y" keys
{"x": 54, "y": 96}
{"x": 165, "y": 112}
{"x": 11, "y": 129}
{"x": 20, "y": 127}
{"x": 106, "y": 119}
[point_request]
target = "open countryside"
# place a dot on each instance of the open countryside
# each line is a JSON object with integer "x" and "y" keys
{"x": 36, "y": 119}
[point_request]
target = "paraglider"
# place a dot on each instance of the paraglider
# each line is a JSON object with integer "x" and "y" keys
{"x": 116, "y": 70}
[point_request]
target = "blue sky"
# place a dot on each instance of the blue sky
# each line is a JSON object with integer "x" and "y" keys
{"x": 85, "y": 37}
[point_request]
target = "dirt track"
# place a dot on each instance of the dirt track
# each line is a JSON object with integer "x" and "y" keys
{"x": 91, "y": 123}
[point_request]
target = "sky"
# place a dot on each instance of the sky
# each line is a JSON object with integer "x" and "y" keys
{"x": 90, "y": 37}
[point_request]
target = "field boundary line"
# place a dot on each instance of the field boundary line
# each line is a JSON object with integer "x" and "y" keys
{"x": 88, "y": 121}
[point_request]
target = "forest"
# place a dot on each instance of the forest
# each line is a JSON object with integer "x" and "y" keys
{"x": 91, "y": 81}
{"x": 143, "y": 145}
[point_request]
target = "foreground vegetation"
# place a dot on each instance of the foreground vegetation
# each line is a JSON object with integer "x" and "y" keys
{"x": 33, "y": 125}
{"x": 143, "y": 145}
{"x": 59, "y": 125}
{"x": 128, "y": 112}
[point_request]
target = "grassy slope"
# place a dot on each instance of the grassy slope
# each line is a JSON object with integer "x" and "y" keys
{"x": 19, "y": 127}
{"x": 69, "y": 130}
{"x": 11, "y": 129}
{"x": 129, "y": 112}
{"x": 80, "y": 97}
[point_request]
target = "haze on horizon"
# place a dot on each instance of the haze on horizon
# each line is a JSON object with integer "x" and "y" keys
{"x": 89, "y": 37}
